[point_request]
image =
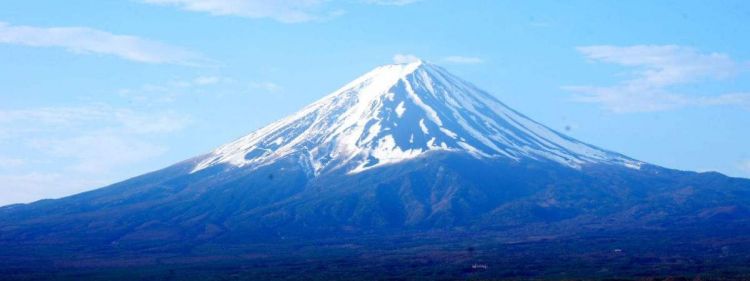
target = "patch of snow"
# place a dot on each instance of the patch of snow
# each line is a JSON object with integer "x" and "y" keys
{"x": 449, "y": 133}
{"x": 633, "y": 165}
{"x": 423, "y": 127}
{"x": 400, "y": 109}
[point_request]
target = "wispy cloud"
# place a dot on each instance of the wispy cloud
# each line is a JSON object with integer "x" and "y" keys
{"x": 200, "y": 81}
{"x": 88, "y": 144}
{"x": 265, "y": 86}
{"x": 462, "y": 60}
{"x": 88, "y": 40}
{"x": 150, "y": 122}
{"x": 392, "y": 2}
{"x": 10, "y": 162}
{"x": 404, "y": 58}
{"x": 169, "y": 91}
{"x": 207, "y": 80}
{"x": 47, "y": 119}
{"x": 744, "y": 167}
{"x": 31, "y": 186}
{"x": 97, "y": 151}
{"x": 657, "y": 69}
{"x": 288, "y": 11}
{"x": 409, "y": 58}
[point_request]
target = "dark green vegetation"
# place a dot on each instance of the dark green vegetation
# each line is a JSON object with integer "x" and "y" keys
{"x": 444, "y": 217}
{"x": 416, "y": 258}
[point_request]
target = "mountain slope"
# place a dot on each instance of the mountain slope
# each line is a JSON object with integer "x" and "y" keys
{"x": 396, "y": 174}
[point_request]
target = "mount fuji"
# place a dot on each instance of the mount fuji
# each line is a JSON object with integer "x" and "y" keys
{"x": 407, "y": 172}
{"x": 400, "y": 112}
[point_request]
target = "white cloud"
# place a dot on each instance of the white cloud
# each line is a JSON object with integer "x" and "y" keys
{"x": 55, "y": 151}
{"x": 169, "y": 91}
{"x": 656, "y": 70}
{"x": 207, "y": 80}
{"x": 664, "y": 65}
{"x": 10, "y": 162}
{"x": 409, "y": 58}
{"x": 744, "y": 166}
{"x": 199, "y": 81}
{"x": 58, "y": 117}
{"x": 265, "y": 86}
{"x": 629, "y": 98}
{"x": 99, "y": 151}
{"x": 392, "y": 2}
{"x": 147, "y": 123}
{"x": 46, "y": 119}
{"x": 738, "y": 99}
{"x": 88, "y": 40}
{"x": 32, "y": 186}
{"x": 287, "y": 11}
{"x": 404, "y": 58}
{"x": 462, "y": 60}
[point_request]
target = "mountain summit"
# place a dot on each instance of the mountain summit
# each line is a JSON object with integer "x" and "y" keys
{"x": 407, "y": 172}
{"x": 403, "y": 111}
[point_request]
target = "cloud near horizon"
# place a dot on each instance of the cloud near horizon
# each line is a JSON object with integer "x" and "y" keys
{"x": 89, "y": 40}
{"x": 656, "y": 70}
{"x": 63, "y": 150}
{"x": 744, "y": 167}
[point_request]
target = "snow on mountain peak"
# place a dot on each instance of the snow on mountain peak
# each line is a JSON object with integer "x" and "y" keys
{"x": 401, "y": 111}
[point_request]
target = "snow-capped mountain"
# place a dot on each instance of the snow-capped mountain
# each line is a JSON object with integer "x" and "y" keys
{"x": 402, "y": 111}
{"x": 405, "y": 168}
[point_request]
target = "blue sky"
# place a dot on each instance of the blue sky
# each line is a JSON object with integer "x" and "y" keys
{"x": 93, "y": 92}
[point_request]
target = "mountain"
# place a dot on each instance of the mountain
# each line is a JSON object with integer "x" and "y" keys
{"x": 407, "y": 172}
{"x": 400, "y": 112}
